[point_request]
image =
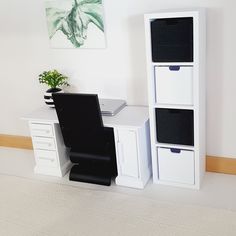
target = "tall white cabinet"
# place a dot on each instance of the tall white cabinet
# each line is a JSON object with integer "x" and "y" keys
{"x": 175, "y": 50}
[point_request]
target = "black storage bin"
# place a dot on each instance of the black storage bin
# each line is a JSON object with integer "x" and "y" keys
{"x": 172, "y": 39}
{"x": 174, "y": 126}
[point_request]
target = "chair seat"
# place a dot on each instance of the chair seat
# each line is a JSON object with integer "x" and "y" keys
{"x": 90, "y": 174}
{"x": 80, "y": 156}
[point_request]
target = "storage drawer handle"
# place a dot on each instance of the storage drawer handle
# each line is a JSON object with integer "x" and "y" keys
{"x": 46, "y": 158}
{"x": 174, "y": 68}
{"x": 175, "y": 150}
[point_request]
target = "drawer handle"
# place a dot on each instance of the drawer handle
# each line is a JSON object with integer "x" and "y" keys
{"x": 44, "y": 143}
{"x": 174, "y": 68}
{"x": 46, "y": 158}
{"x": 46, "y": 131}
{"x": 175, "y": 150}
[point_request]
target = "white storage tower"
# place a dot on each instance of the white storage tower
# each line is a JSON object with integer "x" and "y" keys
{"x": 175, "y": 49}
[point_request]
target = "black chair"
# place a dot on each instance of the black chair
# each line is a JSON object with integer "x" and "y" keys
{"x": 92, "y": 146}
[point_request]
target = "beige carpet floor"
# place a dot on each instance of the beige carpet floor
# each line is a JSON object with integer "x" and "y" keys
{"x": 38, "y": 208}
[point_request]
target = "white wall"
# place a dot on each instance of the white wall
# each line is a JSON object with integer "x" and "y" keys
{"x": 117, "y": 71}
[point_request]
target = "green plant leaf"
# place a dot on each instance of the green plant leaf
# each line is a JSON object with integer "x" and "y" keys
{"x": 53, "y": 79}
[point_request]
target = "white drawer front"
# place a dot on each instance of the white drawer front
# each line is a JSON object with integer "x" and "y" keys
{"x": 44, "y": 130}
{"x": 176, "y": 165}
{"x": 46, "y": 158}
{"x": 174, "y": 85}
{"x": 44, "y": 143}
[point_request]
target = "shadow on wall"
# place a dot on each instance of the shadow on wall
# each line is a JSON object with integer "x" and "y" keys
{"x": 214, "y": 76}
{"x": 137, "y": 86}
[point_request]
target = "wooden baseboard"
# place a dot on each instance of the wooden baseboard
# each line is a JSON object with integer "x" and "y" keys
{"x": 16, "y": 141}
{"x": 221, "y": 165}
{"x": 213, "y": 164}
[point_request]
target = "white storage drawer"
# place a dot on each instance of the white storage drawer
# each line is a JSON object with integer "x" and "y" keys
{"x": 43, "y": 130}
{"x": 44, "y": 143}
{"x": 174, "y": 85}
{"x": 176, "y": 165}
{"x": 46, "y": 158}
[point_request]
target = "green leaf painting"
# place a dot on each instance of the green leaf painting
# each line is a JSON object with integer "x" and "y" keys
{"x": 75, "y": 23}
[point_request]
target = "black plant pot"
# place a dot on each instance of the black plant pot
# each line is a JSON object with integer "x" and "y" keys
{"x": 48, "y": 96}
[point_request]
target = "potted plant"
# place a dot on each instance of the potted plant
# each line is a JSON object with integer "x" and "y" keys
{"x": 54, "y": 80}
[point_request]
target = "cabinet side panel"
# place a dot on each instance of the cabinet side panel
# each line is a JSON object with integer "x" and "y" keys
{"x": 202, "y": 93}
{"x": 61, "y": 148}
{"x": 151, "y": 93}
{"x": 144, "y": 152}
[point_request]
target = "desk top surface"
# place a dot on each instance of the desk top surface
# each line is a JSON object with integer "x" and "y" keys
{"x": 129, "y": 116}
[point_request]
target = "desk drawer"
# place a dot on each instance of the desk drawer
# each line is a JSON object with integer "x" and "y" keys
{"x": 44, "y": 143}
{"x": 46, "y": 158}
{"x": 43, "y": 130}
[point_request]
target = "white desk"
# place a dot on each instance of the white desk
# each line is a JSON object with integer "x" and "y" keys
{"x": 132, "y": 141}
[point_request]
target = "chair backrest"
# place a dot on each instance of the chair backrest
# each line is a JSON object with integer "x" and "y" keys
{"x": 80, "y": 120}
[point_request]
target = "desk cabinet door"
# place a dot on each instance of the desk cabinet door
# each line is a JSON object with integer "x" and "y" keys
{"x": 128, "y": 153}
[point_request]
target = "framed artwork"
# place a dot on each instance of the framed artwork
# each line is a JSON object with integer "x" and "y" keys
{"x": 75, "y": 23}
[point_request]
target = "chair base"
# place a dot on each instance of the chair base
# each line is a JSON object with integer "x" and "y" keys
{"x": 89, "y": 175}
